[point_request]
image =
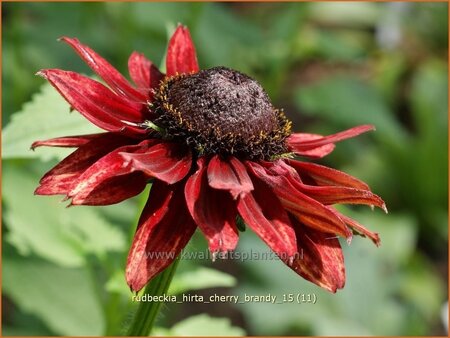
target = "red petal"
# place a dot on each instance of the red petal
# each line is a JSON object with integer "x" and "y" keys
{"x": 102, "y": 171}
{"x": 301, "y": 145}
{"x": 143, "y": 72}
{"x": 307, "y": 210}
{"x": 104, "y": 69}
{"x": 94, "y": 101}
{"x": 335, "y": 195}
{"x": 263, "y": 212}
{"x": 212, "y": 210}
{"x": 164, "y": 230}
{"x": 297, "y": 139}
{"x": 181, "y": 55}
{"x": 338, "y": 194}
{"x": 63, "y": 176}
{"x": 114, "y": 190}
{"x": 66, "y": 142}
{"x": 322, "y": 175}
{"x": 359, "y": 228}
{"x": 158, "y": 202}
{"x": 229, "y": 174}
{"x": 320, "y": 259}
{"x": 168, "y": 162}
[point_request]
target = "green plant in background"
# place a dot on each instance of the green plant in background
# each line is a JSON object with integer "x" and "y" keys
{"x": 332, "y": 63}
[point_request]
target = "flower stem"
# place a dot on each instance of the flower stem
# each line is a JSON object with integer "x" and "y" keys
{"x": 147, "y": 311}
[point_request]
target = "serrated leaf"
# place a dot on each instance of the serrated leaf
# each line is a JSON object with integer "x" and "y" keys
{"x": 43, "y": 226}
{"x": 62, "y": 298}
{"x": 202, "y": 325}
{"x": 45, "y": 116}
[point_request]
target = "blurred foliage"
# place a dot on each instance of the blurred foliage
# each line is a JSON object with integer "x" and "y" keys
{"x": 201, "y": 325}
{"x": 331, "y": 66}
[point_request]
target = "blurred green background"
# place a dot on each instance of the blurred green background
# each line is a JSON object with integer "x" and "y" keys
{"x": 331, "y": 66}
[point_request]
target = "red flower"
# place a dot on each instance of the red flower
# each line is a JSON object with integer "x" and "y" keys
{"x": 215, "y": 149}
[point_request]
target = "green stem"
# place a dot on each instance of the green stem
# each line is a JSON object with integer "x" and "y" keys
{"x": 147, "y": 311}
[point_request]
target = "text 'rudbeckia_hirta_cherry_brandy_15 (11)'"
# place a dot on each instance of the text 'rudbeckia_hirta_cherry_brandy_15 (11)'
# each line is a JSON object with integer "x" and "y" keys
{"x": 216, "y": 151}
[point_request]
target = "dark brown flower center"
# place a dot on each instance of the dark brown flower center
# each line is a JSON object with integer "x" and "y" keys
{"x": 221, "y": 111}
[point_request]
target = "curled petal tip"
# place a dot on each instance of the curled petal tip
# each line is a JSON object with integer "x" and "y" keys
{"x": 333, "y": 289}
{"x": 384, "y": 208}
{"x": 377, "y": 240}
{"x": 66, "y": 38}
{"x": 42, "y": 73}
{"x": 291, "y": 260}
{"x": 355, "y": 131}
{"x": 365, "y": 128}
{"x": 349, "y": 240}
{"x": 349, "y": 236}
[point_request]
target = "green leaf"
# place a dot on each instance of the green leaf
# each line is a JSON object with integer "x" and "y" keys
{"x": 348, "y": 101}
{"x": 62, "y": 298}
{"x": 388, "y": 73}
{"x": 391, "y": 227}
{"x": 197, "y": 279}
{"x": 44, "y": 117}
{"x": 200, "y": 278}
{"x": 201, "y": 325}
{"x": 225, "y": 39}
{"x": 20, "y": 323}
{"x": 423, "y": 288}
{"x": 161, "y": 14}
{"x": 43, "y": 226}
{"x": 356, "y": 14}
{"x": 425, "y": 160}
{"x": 374, "y": 277}
{"x": 117, "y": 284}
{"x": 429, "y": 99}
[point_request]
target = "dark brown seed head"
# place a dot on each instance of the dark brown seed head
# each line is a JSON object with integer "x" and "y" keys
{"x": 221, "y": 111}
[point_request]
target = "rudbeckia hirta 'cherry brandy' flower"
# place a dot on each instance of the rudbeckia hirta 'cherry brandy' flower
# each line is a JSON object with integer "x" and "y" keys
{"x": 215, "y": 150}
